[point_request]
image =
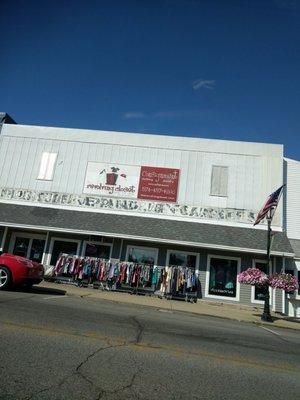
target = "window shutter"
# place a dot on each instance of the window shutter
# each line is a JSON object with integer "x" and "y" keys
{"x": 219, "y": 181}
{"x": 47, "y": 166}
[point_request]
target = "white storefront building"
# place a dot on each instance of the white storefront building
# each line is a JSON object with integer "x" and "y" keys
{"x": 291, "y": 224}
{"x": 170, "y": 199}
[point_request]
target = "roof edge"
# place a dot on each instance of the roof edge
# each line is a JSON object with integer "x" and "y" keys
{"x": 150, "y": 239}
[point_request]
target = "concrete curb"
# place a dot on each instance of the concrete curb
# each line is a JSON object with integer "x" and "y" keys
{"x": 228, "y": 311}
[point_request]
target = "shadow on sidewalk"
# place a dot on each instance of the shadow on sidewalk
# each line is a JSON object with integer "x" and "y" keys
{"x": 281, "y": 317}
{"x": 40, "y": 290}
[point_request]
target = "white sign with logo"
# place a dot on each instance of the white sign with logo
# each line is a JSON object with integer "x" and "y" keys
{"x": 112, "y": 180}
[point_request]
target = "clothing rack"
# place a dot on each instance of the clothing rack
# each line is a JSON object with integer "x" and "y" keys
{"x": 180, "y": 283}
{"x": 171, "y": 282}
{"x": 135, "y": 278}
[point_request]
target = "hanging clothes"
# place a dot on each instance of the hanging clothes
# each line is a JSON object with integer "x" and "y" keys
{"x": 127, "y": 274}
{"x": 178, "y": 279}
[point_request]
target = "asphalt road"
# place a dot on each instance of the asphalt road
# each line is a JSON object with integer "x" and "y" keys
{"x": 55, "y": 346}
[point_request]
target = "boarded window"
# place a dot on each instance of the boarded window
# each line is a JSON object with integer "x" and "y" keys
{"x": 47, "y": 166}
{"x": 219, "y": 181}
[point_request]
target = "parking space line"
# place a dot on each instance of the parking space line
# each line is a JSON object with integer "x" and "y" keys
{"x": 270, "y": 330}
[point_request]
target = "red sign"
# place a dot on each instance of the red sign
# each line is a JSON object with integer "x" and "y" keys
{"x": 158, "y": 184}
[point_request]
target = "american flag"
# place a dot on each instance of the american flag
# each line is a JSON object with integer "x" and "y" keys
{"x": 272, "y": 202}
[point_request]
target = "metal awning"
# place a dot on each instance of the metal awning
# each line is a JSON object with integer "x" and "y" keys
{"x": 204, "y": 235}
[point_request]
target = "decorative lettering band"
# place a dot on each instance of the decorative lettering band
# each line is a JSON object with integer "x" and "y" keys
{"x": 138, "y": 206}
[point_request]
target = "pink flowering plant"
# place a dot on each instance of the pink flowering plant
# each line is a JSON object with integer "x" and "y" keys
{"x": 256, "y": 277}
{"x": 253, "y": 276}
{"x": 285, "y": 282}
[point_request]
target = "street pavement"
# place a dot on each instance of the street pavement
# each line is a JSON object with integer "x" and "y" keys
{"x": 56, "y": 345}
{"x": 220, "y": 309}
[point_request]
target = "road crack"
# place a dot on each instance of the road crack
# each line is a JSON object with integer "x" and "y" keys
{"x": 140, "y": 331}
{"x": 139, "y": 334}
{"x": 127, "y": 386}
{"x": 86, "y": 360}
{"x": 56, "y": 385}
{"x": 78, "y": 372}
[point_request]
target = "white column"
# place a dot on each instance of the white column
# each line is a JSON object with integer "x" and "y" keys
{"x": 4, "y": 238}
{"x": 44, "y": 258}
{"x": 273, "y": 289}
{"x": 283, "y": 292}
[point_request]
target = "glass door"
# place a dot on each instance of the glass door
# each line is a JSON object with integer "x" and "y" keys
{"x": 29, "y": 246}
{"x": 37, "y": 250}
{"x": 21, "y": 246}
{"x": 259, "y": 292}
{"x": 65, "y": 247}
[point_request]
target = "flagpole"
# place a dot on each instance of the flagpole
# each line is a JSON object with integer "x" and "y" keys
{"x": 267, "y": 212}
{"x": 266, "y": 316}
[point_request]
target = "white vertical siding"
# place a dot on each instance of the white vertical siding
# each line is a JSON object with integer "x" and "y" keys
{"x": 293, "y": 198}
{"x": 254, "y": 170}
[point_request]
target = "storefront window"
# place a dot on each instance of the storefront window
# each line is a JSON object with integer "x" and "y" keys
{"x": 97, "y": 251}
{"x": 28, "y": 246}
{"x": 21, "y": 246}
{"x": 297, "y": 274}
{"x": 182, "y": 259}
{"x": 258, "y": 292}
{"x": 142, "y": 255}
{"x": 222, "y": 277}
{"x": 61, "y": 246}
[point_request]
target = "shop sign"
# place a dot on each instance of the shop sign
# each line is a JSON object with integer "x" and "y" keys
{"x": 135, "y": 182}
{"x": 127, "y": 205}
{"x": 159, "y": 184}
{"x": 112, "y": 180}
{"x": 222, "y": 292}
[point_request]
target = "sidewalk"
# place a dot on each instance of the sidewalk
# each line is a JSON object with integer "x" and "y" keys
{"x": 202, "y": 307}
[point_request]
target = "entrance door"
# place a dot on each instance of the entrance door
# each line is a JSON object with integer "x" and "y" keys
{"x": 63, "y": 246}
{"x": 21, "y": 246}
{"x": 257, "y": 294}
{"x": 37, "y": 250}
{"x": 28, "y": 245}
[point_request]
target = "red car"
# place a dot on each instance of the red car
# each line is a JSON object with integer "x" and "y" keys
{"x": 16, "y": 270}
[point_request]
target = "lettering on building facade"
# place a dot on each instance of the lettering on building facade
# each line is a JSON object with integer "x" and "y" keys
{"x": 134, "y": 205}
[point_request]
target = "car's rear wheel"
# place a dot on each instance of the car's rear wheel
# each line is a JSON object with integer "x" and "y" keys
{"x": 5, "y": 277}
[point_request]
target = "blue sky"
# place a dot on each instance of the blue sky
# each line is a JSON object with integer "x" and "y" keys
{"x": 214, "y": 69}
